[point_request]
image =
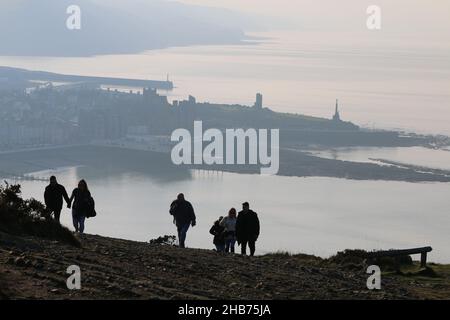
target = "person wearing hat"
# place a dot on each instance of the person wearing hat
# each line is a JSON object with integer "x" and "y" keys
{"x": 247, "y": 229}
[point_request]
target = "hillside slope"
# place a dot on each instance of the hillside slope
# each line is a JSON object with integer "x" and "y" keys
{"x": 32, "y": 268}
{"x": 38, "y": 28}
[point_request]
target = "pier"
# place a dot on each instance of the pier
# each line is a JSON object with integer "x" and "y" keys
{"x": 21, "y": 177}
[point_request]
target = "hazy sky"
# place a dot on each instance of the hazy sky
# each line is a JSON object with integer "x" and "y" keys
{"x": 398, "y": 15}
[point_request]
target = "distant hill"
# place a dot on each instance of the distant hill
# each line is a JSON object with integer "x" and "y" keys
{"x": 38, "y": 28}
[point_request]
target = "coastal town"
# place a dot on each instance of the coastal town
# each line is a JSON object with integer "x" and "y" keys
{"x": 42, "y": 111}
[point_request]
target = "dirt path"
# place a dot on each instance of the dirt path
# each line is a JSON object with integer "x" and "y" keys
{"x": 118, "y": 269}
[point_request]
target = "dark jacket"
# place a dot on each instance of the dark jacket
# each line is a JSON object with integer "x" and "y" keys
{"x": 247, "y": 226}
{"x": 219, "y": 233}
{"x": 81, "y": 204}
{"x": 183, "y": 212}
{"x": 54, "y": 195}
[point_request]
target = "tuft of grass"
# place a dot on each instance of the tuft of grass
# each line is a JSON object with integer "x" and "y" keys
{"x": 354, "y": 258}
{"x": 432, "y": 282}
{"x": 279, "y": 253}
{"x": 164, "y": 240}
{"x": 29, "y": 217}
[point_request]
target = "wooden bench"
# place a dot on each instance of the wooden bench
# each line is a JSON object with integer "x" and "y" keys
{"x": 398, "y": 253}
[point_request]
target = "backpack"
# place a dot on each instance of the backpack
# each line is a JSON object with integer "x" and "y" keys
{"x": 90, "y": 208}
{"x": 173, "y": 208}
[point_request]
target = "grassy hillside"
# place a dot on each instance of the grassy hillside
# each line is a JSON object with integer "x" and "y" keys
{"x": 29, "y": 217}
{"x": 118, "y": 269}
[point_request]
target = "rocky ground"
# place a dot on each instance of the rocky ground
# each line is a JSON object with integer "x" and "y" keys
{"x": 32, "y": 268}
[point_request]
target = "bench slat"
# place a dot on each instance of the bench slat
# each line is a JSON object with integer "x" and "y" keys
{"x": 393, "y": 253}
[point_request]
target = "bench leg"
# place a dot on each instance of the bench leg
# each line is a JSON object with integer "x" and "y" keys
{"x": 423, "y": 259}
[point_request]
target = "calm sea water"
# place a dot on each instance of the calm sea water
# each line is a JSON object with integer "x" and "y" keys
{"x": 382, "y": 79}
{"x": 312, "y": 215}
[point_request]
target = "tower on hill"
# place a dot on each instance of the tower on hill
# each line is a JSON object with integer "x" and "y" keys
{"x": 337, "y": 116}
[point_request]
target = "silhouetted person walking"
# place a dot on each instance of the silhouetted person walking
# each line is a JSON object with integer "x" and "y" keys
{"x": 247, "y": 229}
{"x": 54, "y": 195}
{"x": 218, "y": 231}
{"x": 184, "y": 217}
{"x": 81, "y": 205}
{"x": 229, "y": 223}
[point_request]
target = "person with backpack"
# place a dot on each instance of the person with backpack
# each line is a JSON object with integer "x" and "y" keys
{"x": 53, "y": 196}
{"x": 229, "y": 224}
{"x": 184, "y": 217}
{"x": 247, "y": 229}
{"x": 83, "y": 205}
{"x": 218, "y": 231}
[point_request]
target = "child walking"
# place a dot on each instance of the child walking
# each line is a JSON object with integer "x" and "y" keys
{"x": 219, "y": 237}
